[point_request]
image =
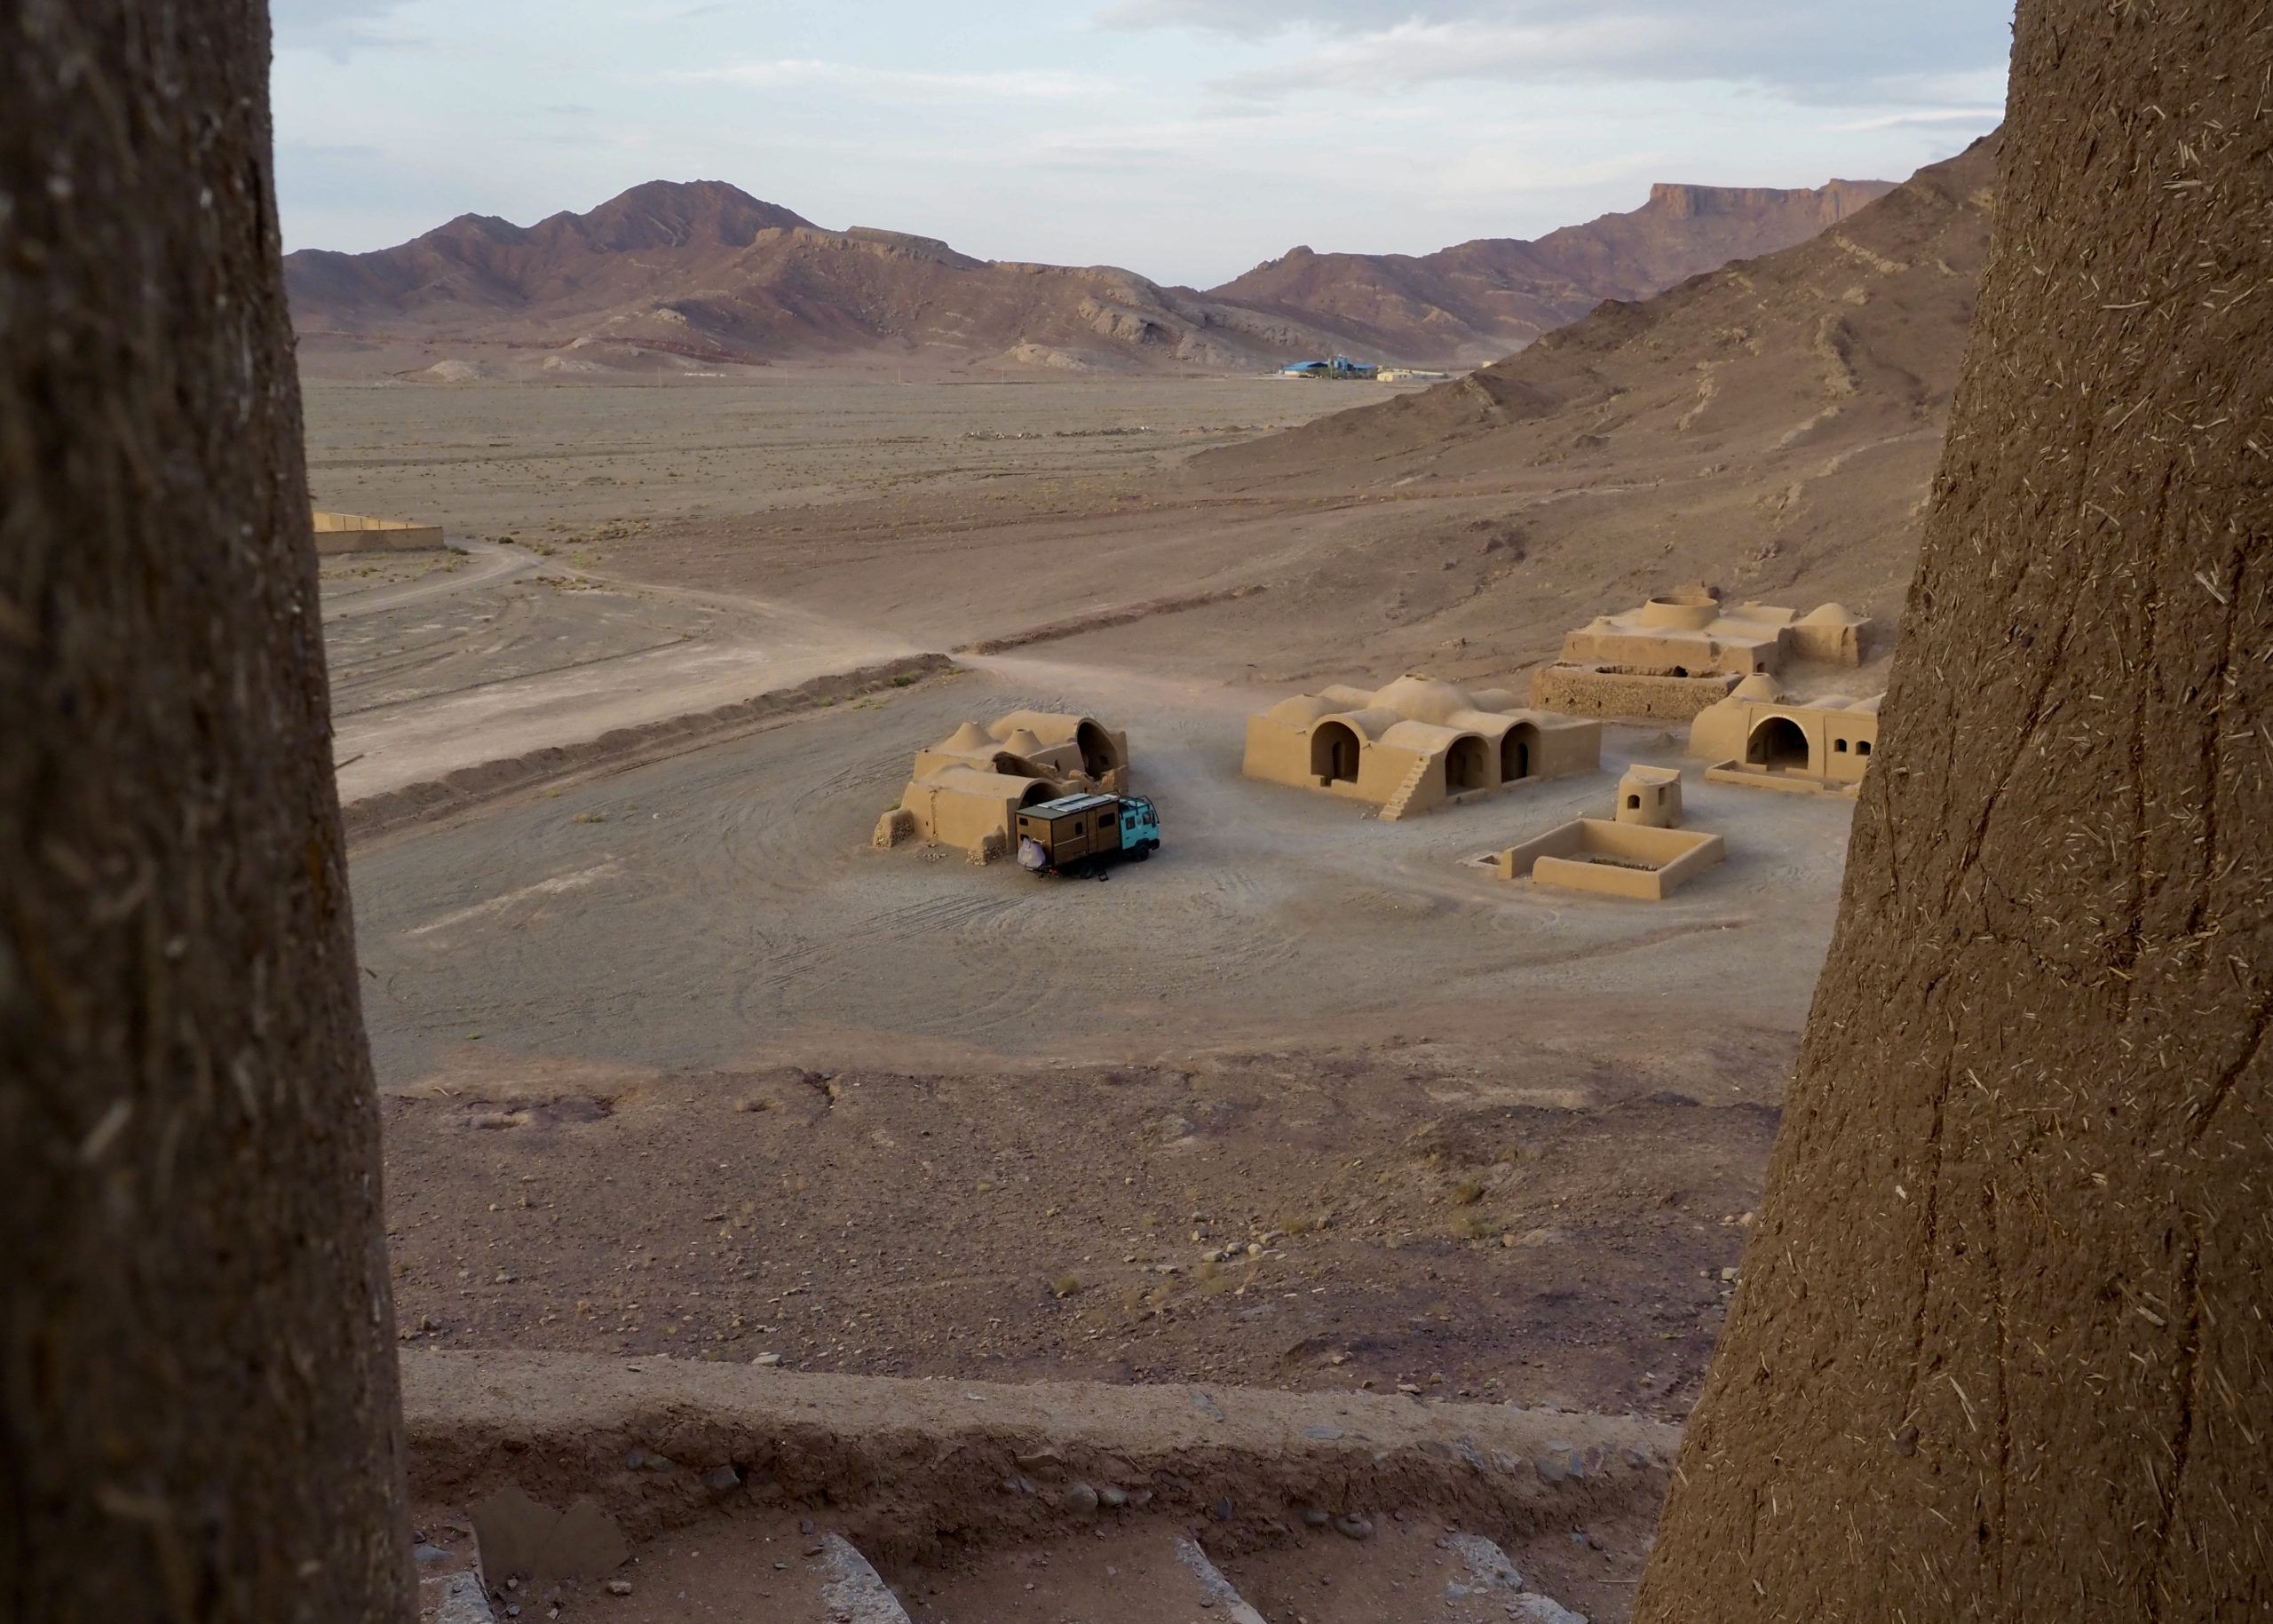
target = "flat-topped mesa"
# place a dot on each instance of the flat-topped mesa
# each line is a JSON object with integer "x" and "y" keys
{"x": 1683, "y": 649}
{"x": 1835, "y": 200}
{"x": 967, "y": 790}
{"x": 1415, "y": 744}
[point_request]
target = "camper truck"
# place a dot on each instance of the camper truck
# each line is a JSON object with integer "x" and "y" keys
{"x": 1077, "y": 833}
{"x": 1339, "y": 368}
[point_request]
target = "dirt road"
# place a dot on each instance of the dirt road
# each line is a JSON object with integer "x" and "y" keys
{"x": 518, "y": 652}
{"x": 469, "y": 563}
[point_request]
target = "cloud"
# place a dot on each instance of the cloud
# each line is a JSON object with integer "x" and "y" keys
{"x": 338, "y": 28}
{"x": 1809, "y": 50}
{"x": 1499, "y": 171}
{"x": 1416, "y": 53}
{"x": 861, "y": 79}
{"x": 1257, "y": 17}
{"x": 1920, "y": 116}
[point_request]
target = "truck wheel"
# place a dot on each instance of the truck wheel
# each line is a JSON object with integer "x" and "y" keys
{"x": 1140, "y": 854}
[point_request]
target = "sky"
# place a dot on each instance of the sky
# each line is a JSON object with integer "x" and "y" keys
{"x": 1185, "y": 139}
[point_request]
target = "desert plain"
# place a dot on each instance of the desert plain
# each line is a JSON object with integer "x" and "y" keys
{"x": 674, "y": 1061}
{"x": 1311, "y": 1113}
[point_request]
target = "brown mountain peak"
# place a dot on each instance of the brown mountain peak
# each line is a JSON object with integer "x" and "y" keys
{"x": 676, "y": 213}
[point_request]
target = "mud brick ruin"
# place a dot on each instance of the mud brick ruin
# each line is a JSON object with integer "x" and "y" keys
{"x": 1415, "y": 745}
{"x": 1679, "y": 652}
{"x": 967, "y": 789}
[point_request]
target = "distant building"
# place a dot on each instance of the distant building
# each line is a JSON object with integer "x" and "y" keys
{"x": 1757, "y": 736}
{"x": 967, "y": 789}
{"x": 1416, "y": 744}
{"x": 1679, "y": 652}
{"x": 355, "y": 533}
{"x": 1641, "y": 850}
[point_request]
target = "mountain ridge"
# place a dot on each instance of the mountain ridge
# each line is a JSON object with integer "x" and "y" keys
{"x": 705, "y": 269}
{"x": 1772, "y": 426}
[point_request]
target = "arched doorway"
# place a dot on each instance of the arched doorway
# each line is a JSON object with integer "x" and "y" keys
{"x": 1778, "y": 744}
{"x": 1518, "y": 752}
{"x": 1467, "y": 766}
{"x": 1034, "y": 794}
{"x": 1099, "y": 756}
{"x": 1334, "y": 752}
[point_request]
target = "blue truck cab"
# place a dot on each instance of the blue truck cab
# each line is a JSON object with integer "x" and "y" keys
{"x": 1078, "y": 832}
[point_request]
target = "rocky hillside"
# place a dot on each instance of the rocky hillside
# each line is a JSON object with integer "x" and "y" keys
{"x": 478, "y": 265}
{"x": 706, "y": 273}
{"x": 1475, "y": 303}
{"x": 1772, "y": 427}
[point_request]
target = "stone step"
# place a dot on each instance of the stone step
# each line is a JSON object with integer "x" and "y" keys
{"x": 965, "y": 1493}
{"x": 854, "y": 1593}
{"x": 771, "y": 1568}
{"x": 1391, "y": 1570}
{"x": 1140, "y": 1574}
{"x": 782, "y": 1570}
{"x": 1401, "y": 797}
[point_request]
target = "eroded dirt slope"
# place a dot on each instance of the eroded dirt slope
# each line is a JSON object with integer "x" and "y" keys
{"x": 1772, "y": 427}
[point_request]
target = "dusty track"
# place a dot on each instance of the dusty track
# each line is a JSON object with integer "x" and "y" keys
{"x": 457, "y": 669}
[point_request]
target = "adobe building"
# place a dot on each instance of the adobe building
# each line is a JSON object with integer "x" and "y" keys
{"x": 968, "y": 789}
{"x": 1640, "y": 851}
{"x": 1415, "y": 745}
{"x": 1650, "y": 797}
{"x": 1757, "y": 736}
{"x": 356, "y": 532}
{"x": 1682, "y": 652}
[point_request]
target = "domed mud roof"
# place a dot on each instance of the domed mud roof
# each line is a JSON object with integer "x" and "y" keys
{"x": 1022, "y": 743}
{"x": 1302, "y": 709}
{"x": 1832, "y": 614}
{"x": 1759, "y": 686}
{"x": 970, "y": 736}
{"x": 1425, "y": 737}
{"x": 1422, "y": 698}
